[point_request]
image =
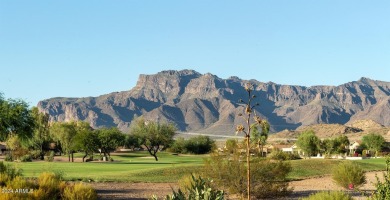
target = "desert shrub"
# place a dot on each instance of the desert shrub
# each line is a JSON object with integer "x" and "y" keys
{"x": 8, "y": 158}
{"x": 49, "y": 184}
{"x": 334, "y": 195}
{"x": 80, "y": 192}
{"x": 20, "y": 152}
{"x": 35, "y": 154}
{"x": 186, "y": 181}
{"x": 7, "y": 173}
{"x": 281, "y": 155}
{"x": 42, "y": 194}
{"x": 199, "y": 145}
{"x": 269, "y": 179}
{"x": 178, "y": 146}
{"x": 19, "y": 183}
{"x": 18, "y": 189}
{"x": 383, "y": 188}
{"x": 50, "y": 157}
{"x": 231, "y": 145}
{"x": 195, "y": 145}
{"x": 228, "y": 173}
{"x": 26, "y": 158}
{"x": 199, "y": 188}
{"x": 347, "y": 174}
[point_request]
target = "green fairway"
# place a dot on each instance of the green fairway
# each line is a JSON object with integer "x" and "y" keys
{"x": 129, "y": 167}
{"x": 140, "y": 167}
{"x": 307, "y": 168}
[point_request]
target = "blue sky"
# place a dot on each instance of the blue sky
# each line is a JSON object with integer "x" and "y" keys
{"x": 90, "y": 48}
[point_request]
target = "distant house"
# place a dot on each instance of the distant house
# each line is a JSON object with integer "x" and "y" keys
{"x": 282, "y": 147}
{"x": 292, "y": 149}
{"x": 354, "y": 148}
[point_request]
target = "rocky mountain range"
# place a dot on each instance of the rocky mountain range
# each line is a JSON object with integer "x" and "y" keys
{"x": 205, "y": 103}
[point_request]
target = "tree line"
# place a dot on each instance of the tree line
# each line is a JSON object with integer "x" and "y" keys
{"x": 29, "y": 132}
{"x": 311, "y": 145}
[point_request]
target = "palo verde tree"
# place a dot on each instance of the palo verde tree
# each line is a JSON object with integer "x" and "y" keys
{"x": 154, "y": 136}
{"x": 248, "y": 127}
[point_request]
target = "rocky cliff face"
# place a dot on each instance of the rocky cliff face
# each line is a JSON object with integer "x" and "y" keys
{"x": 206, "y": 103}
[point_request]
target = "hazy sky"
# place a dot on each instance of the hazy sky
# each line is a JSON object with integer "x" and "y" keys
{"x": 89, "y": 48}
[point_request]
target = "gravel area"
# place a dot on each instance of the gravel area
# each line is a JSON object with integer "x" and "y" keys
{"x": 302, "y": 188}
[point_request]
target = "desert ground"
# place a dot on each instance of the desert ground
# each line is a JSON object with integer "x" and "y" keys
{"x": 302, "y": 188}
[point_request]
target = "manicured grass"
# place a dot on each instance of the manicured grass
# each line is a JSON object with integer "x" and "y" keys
{"x": 374, "y": 164}
{"x": 140, "y": 167}
{"x": 128, "y": 167}
{"x": 307, "y": 168}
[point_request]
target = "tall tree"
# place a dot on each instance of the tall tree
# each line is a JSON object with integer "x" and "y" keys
{"x": 41, "y": 134}
{"x": 308, "y": 142}
{"x": 110, "y": 139}
{"x": 373, "y": 142}
{"x": 152, "y": 135}
{"x": 131, "y": 141}
{"x": 64, "y": 133}
{"x": 341, "y": 144}
{"x": 15, "y": 119}
{"x": 87, "y": 141}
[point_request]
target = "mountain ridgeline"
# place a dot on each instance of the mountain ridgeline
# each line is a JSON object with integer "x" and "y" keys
{"x": 206, "y": 103}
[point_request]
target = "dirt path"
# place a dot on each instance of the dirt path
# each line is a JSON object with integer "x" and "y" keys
{"x": 302, "y": 188}
{"x": 132, "y": 191}
{"x": 306, "y": 187}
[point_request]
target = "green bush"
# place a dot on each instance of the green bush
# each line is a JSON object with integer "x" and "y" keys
{"x": 269, "y": 178}
{"x": 50, "y": 157}
{"x": 195, "y": 145}
{"x": 23, "y": 185}
{"x": 231, "y": 145}
{"x": 35, "y": 154}
{"x": 8, "y": 158}
{"x": 199, "y": 145}
{"x": 334, "y": 195}
{"x": 347, "y": 174}
{"x": 26, "y": 158}
{"x": 178, "y": 146}
{"x": 79, "y": 192}
{"x": 48, "y": 186}
{"x": 7, "y": 173}
{"x": 281, "y": 155}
